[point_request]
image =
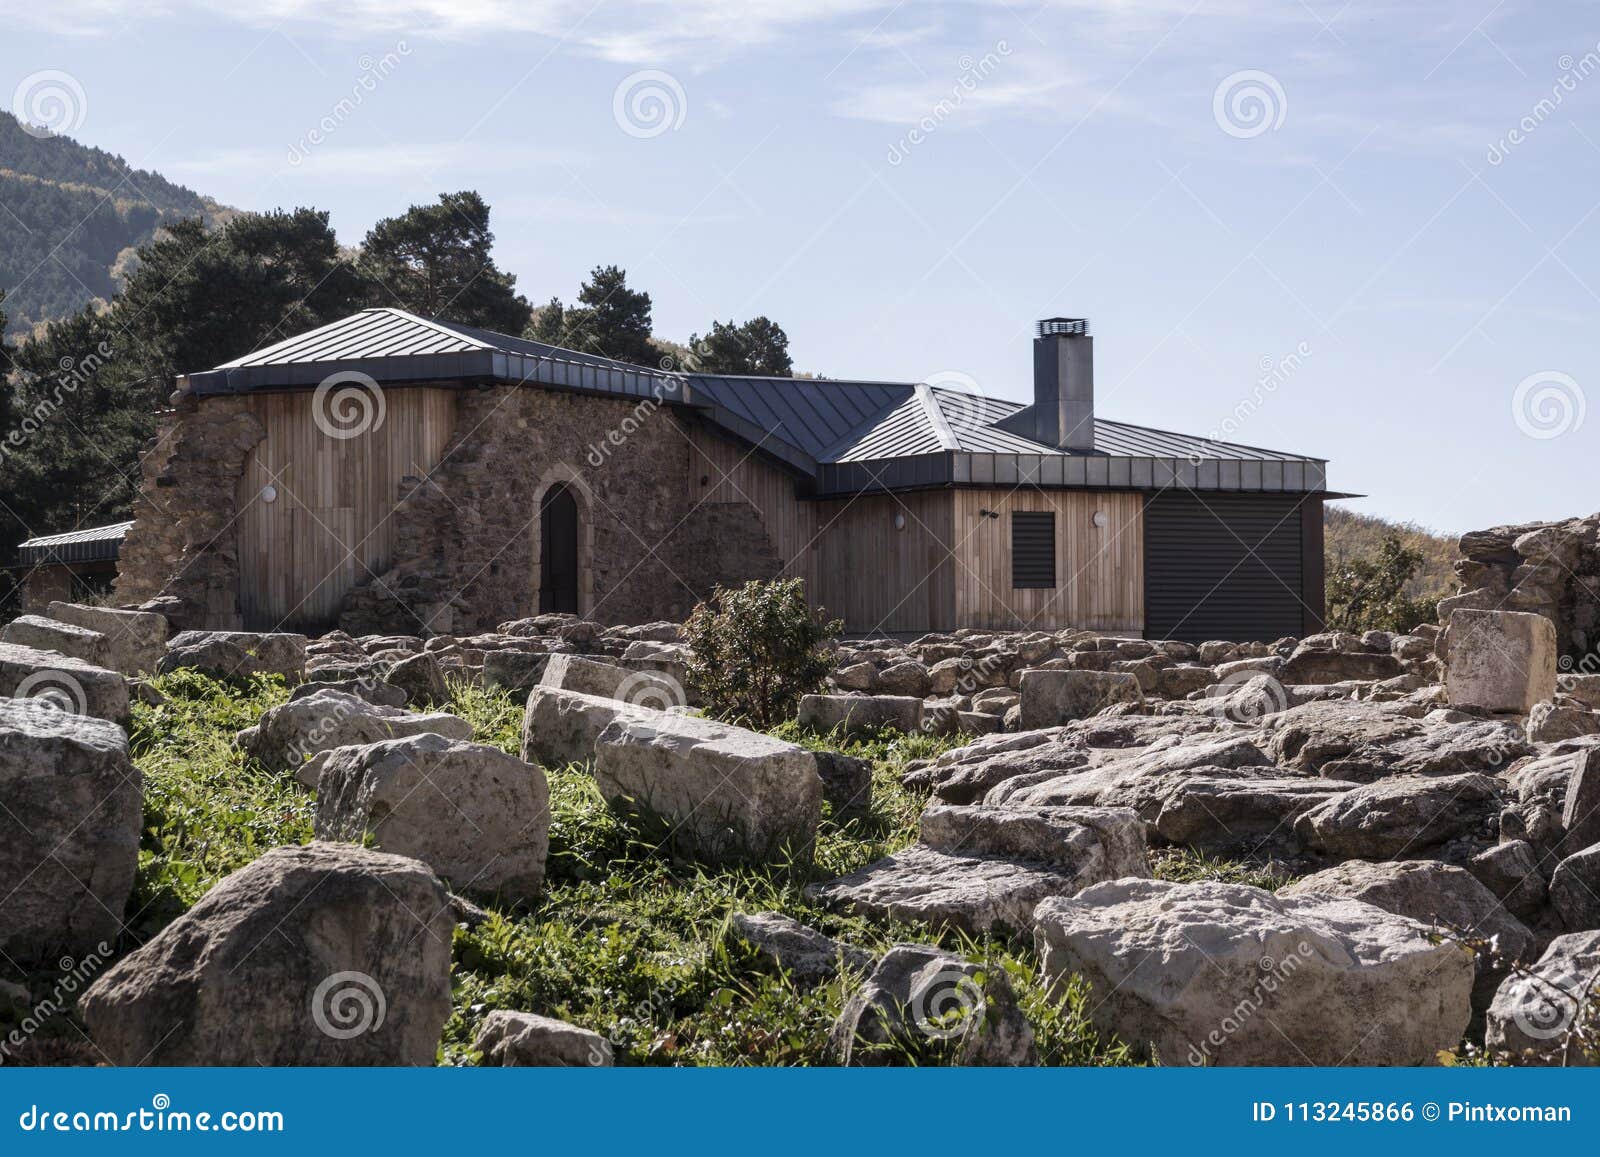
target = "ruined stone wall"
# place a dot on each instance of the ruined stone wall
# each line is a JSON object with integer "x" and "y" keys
{"x": 467, "y": 536}
{"x": 182, "y": 546}
{"x": 1548, "y": 568}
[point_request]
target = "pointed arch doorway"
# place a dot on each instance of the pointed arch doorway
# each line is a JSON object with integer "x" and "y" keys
{"x": 558, "y": 551}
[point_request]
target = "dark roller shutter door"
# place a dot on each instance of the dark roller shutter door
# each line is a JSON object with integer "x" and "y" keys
{"x": 1223, "y": 566}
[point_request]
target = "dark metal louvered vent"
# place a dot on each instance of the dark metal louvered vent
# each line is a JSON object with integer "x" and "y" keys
{"x": 1033, "y": 550}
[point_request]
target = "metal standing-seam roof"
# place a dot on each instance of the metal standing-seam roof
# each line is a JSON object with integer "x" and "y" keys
{"x": 92, "y": 544}
{"x": 846, "y": 435}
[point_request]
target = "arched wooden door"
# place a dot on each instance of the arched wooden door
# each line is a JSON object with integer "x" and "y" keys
{"x": 558, "y": 551}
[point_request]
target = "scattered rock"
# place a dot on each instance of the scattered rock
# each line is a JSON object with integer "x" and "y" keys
{"x": 1500, "y": 660}
{"x": 726, "y": 793}
{"x": 1511, "y": 871}
{"x": 1575, "y": 890}
{"x": 524, "y": 1040}
{"x": 44, "y": 634}
{"x": 846, "y": 782}
{"x": 326, "y": 954}
{"x": 514, "y": 670}
{"x": 560, "y": 727}
{"x": 372, "y": 689}
{"x": 237, "y": 654}
{"x": 1311, "y": 666}
{"x": 291, "y": 733}
{"x": 801, "y": 951}
{"x": 608, "y": 681}
{"x": 1311, "y": 735}
{"x": 134, "y": 640}
{"x": 69, "y": 684}
{"x": 421, "y": 678}
{"x": 478, "y": 817}
{"x": 1552, "y": 722}
{"x": 1436, "y": 895}
{"x": 861, "y": 714}
{"x": 1535, "y": 1012}
{"x": 69, "y": 831}
{"x": 1050, "y": 698}
{"x": 1225, "y": 974}
{"x": 922, "y": 1000}
{"x": 984, "y": 870}
{"x": 1402, "y": 816}
{"x": 1580, "y": 813}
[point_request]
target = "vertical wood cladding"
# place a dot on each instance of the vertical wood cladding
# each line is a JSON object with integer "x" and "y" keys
{"x": 1099, "y": 569}
{"x": 884, "y": 562}
{"x": 330, "y": 522}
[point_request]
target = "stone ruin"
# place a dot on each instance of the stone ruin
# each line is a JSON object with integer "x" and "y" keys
{"x": 1546, "y": 568}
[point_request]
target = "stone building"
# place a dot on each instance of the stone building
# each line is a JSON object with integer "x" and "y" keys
{"x": 392, "y": 473}
{"x": 76, "y": 566}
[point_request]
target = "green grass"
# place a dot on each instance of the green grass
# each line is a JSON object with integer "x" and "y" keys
{"x": 624, "y": 940}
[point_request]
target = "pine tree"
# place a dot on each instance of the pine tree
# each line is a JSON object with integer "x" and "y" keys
{"x": 435, "y": 260}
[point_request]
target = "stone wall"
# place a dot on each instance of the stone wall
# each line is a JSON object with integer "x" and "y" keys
{"x": 182, "y": 546}
{"x": 1547, "y": 568}
{"x": 467, "y": 536}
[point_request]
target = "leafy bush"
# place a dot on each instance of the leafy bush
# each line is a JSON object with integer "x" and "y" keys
{"x": 1369, "y": 593}
{"x": 756, "y": 650}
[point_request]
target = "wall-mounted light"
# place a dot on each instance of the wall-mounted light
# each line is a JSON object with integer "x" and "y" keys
{"x": 988, "y": 514}
{"x": 899, "y": 522}
{"x": 269, "y": 494}
{"x": 1099, "y": 518}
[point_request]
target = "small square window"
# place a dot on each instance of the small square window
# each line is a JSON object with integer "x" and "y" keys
{"x": 1033, "y": 550}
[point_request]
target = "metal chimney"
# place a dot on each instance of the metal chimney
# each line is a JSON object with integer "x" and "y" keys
{"x": 1063, "y": 383}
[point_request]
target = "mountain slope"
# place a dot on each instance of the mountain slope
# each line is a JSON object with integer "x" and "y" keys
{"x": 70, "y": 217}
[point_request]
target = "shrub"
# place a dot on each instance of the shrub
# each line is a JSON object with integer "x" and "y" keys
{"x": 1369, "y": 593}
{"x": 756, "y": 650}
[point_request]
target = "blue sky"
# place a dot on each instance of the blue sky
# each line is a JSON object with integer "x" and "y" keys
{"x": 1324, "y": 197}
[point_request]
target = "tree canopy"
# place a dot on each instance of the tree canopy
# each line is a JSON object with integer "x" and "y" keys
{"x": 80, "y": 397}
{"x": 610, "y": 320}
{"x": 758, "y": 347}
{"x": 435, "y": 260}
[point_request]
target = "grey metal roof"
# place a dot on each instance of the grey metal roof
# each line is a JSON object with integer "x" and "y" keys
{"x": 91, "y": 544}
{"x": 848, "y": 435}
{"x": 811, "y": 414}
{"x": 392, "y": 346}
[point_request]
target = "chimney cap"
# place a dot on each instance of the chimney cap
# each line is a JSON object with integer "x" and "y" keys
{"x": 1064, "y": 326}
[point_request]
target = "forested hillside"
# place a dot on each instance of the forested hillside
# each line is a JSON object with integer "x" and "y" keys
{"x": 72, "y": 218}
{"x": 1350, "y": 536}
